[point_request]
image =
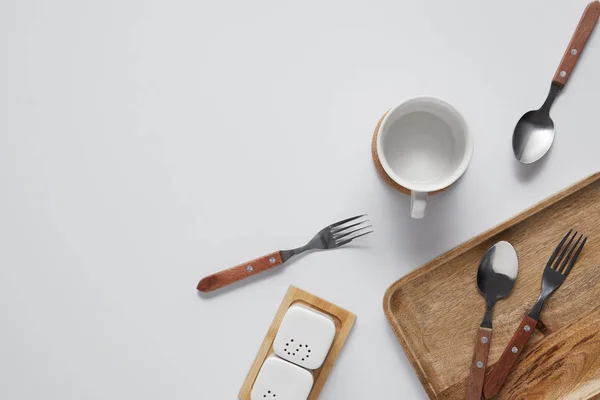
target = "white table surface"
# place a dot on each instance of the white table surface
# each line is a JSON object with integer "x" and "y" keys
{"x": 145, "y": 144}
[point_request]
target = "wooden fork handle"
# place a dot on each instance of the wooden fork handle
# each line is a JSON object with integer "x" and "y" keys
{"x": 509, "y": 357}
{"x": 479, "y": 363}
{"x": 239, "y": 272}
{"x": 580, "y": 37}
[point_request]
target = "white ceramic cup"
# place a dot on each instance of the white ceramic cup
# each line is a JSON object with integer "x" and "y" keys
{"x": 424, "y": 145}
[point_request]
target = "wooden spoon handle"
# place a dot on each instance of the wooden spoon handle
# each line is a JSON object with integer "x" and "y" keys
{"x": 509, "y": 357}
{"x": 239, "y": 272}
{"x": 479, "y": 363}
{"x": 582, "y": 33}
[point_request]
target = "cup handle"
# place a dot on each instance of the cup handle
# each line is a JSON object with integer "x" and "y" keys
{"x": 418, "y": 202}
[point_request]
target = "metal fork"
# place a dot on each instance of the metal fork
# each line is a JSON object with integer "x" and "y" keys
{"x": 556, "y": 271}
{"x": 330, "y": 237}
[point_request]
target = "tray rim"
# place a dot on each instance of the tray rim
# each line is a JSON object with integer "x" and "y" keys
{"x": 458, "y": 251}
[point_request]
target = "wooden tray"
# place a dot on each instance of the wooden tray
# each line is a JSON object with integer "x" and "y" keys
{"x": 435, "y": 311}
{"x": 343, "y": 320}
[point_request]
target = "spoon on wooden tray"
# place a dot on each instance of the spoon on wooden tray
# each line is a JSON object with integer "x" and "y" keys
{"x": 496, "y": 276}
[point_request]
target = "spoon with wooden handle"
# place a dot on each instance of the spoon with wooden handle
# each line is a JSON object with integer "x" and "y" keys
{"x": 496, "y": 277}
{"x": 534, "y": 133}
{"x": 554, "y": 275}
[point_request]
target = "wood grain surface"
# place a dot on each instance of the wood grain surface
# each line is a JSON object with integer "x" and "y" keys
{"x": 344, "y": 321}
{"x": 239, "y": 272}
{"x": 436, "y": 310}
{"x": 509, "y": 357}
{"x": 580, "y": 37}
{"x": 479, "y": 363}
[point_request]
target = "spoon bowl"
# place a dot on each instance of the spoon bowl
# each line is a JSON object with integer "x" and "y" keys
{"x": 497, "y": 272}
{"x": 534, "y": 133}
{"x": 533, "y": 136}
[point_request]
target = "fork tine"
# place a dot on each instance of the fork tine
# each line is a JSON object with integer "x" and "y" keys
{"x": 568, "y": 257}
{"x": 553, "y": 256}
{"x": 343, "y": 242}
{"x": 337, "y": 238}
{"x": 346, "y": 220}
{"x": 564, "y": 251}
{"x": 341, "y": 229}
{"x": 575, "y": 257}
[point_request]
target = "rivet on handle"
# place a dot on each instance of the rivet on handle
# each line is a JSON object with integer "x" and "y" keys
{"x": 563, "y": 74}
{"x": 574, "y": 52}
{"x": 526, "y": 328}
{"x": 484, "y": 340}
{"x": 272, "y": 260}
{"x": 479, "y": 364}
{"x": 514, "y": 349}
{"x": 249, "y": 268}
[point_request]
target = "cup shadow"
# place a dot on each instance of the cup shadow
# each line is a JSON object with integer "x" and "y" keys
{"x": 422, "y": 239}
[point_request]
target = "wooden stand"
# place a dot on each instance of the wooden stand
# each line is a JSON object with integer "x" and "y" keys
{"x": 343, "y": 320}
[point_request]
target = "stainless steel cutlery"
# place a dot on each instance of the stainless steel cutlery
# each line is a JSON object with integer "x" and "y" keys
{"x": 496, "y": 277}
{"x": 557, "y": 269}
{"x": 330, "y": 237}
{"x": 534, "y": 133}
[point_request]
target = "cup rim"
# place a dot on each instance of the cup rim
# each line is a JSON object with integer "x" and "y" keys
{"x": 458, "y": 172}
